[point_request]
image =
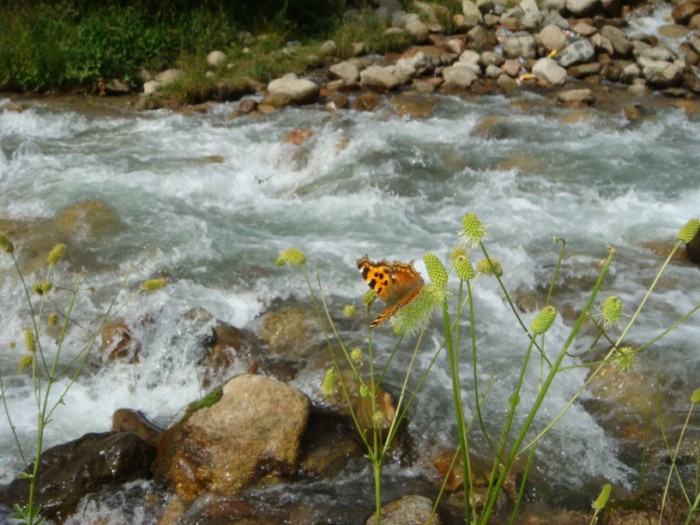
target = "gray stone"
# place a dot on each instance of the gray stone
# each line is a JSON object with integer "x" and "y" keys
{"x": 489, "y": 58}
{"x": 576, "y": 95}
{"x": 472, "y": 14}
{"x": 328, "y": 48}
{"x": 299, "y": 90}
{"x": 407, "y": 510}
{"x": 532, "y": 16}
{"x": 378, "y": 78}
{"x": 547, "y": 69}
{"x": 631, "y": 72}
{"x": 346, "y": 71}
{"x": 618, "y": 38}
{"x": 470, "y": 59}
{"x": 216, "y": 58}
{"x": 493, "y": 71}
{"x": 552, "y": 37}
{"x": 507, "y": 83}
{"x": 602, "y": 43}
{"x": 458, "y": 77}
{"x": 581, "y": 7}
{"x": 658, "y": 53}
{"x": 517, "y": 45}
{"x": 579, "y": 52}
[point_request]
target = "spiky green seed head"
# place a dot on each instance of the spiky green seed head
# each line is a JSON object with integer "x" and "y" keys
{"x": 29, "y": 341}
{"x": 689, "y": 230}
{"x": 544, "y": 320}
{"x": 364, "y": 391}
{"x": 349, "y": 310}
{"x": 356, "y": 355}
{"x": 292, "y": 256}
{"x": 612, "y": 311}
{"x": 52, "y": 320}
{"x": 484, "y": 267}
{"x": 415, "y": 316}
{"x": 624, "y": 359}
{"x": 457, "y": 253}
{"x": 695, "y": 398}
{"x": 329, "y": 383}
{"x": 56, "y": 254}
{"x": 42, "y": 288}
{"x": 368, "y": 298}
{"x": 5, "y": 244}
{"x": 473, "y": 231}
{"x": 464, "y": 268}
{"x": 25, "y": 362}
{"x": 436, "y": 270}
{"x": 603, "y": 497}
{"x": 152, "y": 285}
{"x": 378, "y": 419}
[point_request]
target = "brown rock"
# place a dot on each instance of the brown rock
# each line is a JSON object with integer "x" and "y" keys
{"x": 298, "y": 136}
{"x": 253, "y": 433}
{"x": 366, "y": 101}
{"x": 74, "y": 469}
{"x": 290, "y": 331}
{"x": 127, "y": 420}
{"x": 408, "y": 510}
{"x": 411, "y": 106}
{"x": 88, "y": 220}
{"x": 118, "y": 344}
{"x": 682, "y": 13}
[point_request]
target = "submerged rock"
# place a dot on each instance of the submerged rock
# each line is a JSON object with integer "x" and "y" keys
{"x": 408, "y": 510}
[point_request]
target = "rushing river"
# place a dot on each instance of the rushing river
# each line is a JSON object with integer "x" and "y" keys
{"x": 208, "y": 201}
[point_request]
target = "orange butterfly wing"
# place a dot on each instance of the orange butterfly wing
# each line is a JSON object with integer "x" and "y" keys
{"x": 396, "y": 284}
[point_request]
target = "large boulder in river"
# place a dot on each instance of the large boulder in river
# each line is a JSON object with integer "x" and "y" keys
{"x": 378, "y": 78}
{"x": 72, "y": 470}
{"x": 299, "y": 90}
{"x": 252, "y": 433}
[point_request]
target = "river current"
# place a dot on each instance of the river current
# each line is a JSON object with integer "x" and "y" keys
{"x": 208, "y": 201}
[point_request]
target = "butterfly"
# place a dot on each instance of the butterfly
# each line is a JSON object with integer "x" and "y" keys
{"x": 397, "y": 284}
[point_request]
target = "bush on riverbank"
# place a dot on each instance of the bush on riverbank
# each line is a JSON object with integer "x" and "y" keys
{"x": 70, "y": 44}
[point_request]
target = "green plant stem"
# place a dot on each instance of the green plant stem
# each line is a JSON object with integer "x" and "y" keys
{"x": 457, "y": 398}
{"x": 515, "y": 449}
{"x": 377, "y": 465}
{"x": 521, "y": 492}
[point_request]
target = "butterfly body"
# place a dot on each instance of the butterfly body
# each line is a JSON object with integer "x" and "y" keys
{"x": 397, "y": 284}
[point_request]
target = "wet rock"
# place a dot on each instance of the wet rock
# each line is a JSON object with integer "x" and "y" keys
{"x": 693, "y": 248}
{"x": 577, "y": 53}
{"x": 299, "y": 90}
{"x": 118, "y": 344}
{"x": 458, "y": 77}
{"x": 346, "y": 71}
{"x": 70, "y": 471}
{"x": 581, "y": 8}
{"x": 480, "y": 39}
{"x": 576, "y": 96}
{"x": 252, "y": 434}
{"x": 412, "y": 106}
{"x": 584, "y": 70}
{"x": 216, "y": 58}
{"x": 408, "y": 67}
{"x": 472, "y": 16}
{"x": 517, "y": 45}
{"x": 660, "y": 73}
{"x": 618, "y": 38}
{"x": 127, "y": 420}
{"x": 552, "y": 38}
{"x": 602, "y": 43}
{"x": 674, "y": 31}
{"x": 408, "y": 510}
{"x": 683, "y": 12}
{"x": 547, "y": 69}
{"x": 87, "y": 220}
{"x": 378, "y": 78}
{"x": 289, "y": 332}
{"x": 366, "y": 102}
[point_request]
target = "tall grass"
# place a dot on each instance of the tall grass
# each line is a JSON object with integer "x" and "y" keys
{"x": 519, "y": 436}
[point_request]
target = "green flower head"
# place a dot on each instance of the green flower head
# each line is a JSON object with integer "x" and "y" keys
{"x": 416, "y": 315}
{"x": 291, "y": 256}
{"x": 329, "y": 383}
{"x": 544, "y": 320}
{"x": 56, "y": 254}
{"x": 602, "y": 499}
{"x": 356, "y": 355}
{"x": 624, "y": 359}
{"x": 42, "y": 288}
{"x": 689, "y": 230}
{"x": 484, "y": 267}
{"x": 611, "y": 311}
{"x": 29, "y": 341}
{"x": 473, "y": 231}
{"x": 436, "y": 270}
{"x": 154, "y": 284}
{"x": 5, "y": 244}
{"x": 349, "y": 310}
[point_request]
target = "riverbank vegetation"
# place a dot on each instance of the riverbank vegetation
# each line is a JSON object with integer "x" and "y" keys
{"x": 73, "y": 44}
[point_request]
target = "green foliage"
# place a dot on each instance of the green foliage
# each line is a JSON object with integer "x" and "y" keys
{"x": 67, "y": 44}
{"x": 369, "y": 29}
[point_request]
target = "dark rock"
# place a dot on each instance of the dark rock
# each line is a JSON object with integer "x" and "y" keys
{"x": 128, "y": 420}
{"x": 693, "y": 248}
{"x": 70, "y": 471}
{"x": 682, "y": 13}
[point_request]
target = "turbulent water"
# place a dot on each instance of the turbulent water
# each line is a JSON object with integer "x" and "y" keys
{"x": 208, "y": 202}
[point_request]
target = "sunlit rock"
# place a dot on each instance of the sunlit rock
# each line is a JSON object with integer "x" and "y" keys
{"x": 547, "y": 69}
{"x": 683, "y": 12}
{"x": 128, "y": 420}
{"x": 251, "y": 434}
{"x": 408, "y": 510}
{"x": 299, "y": 90}
{"x": 216, "y": 58}
{"x": 378, "y": 78}
{"x": 118, "y": 343}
